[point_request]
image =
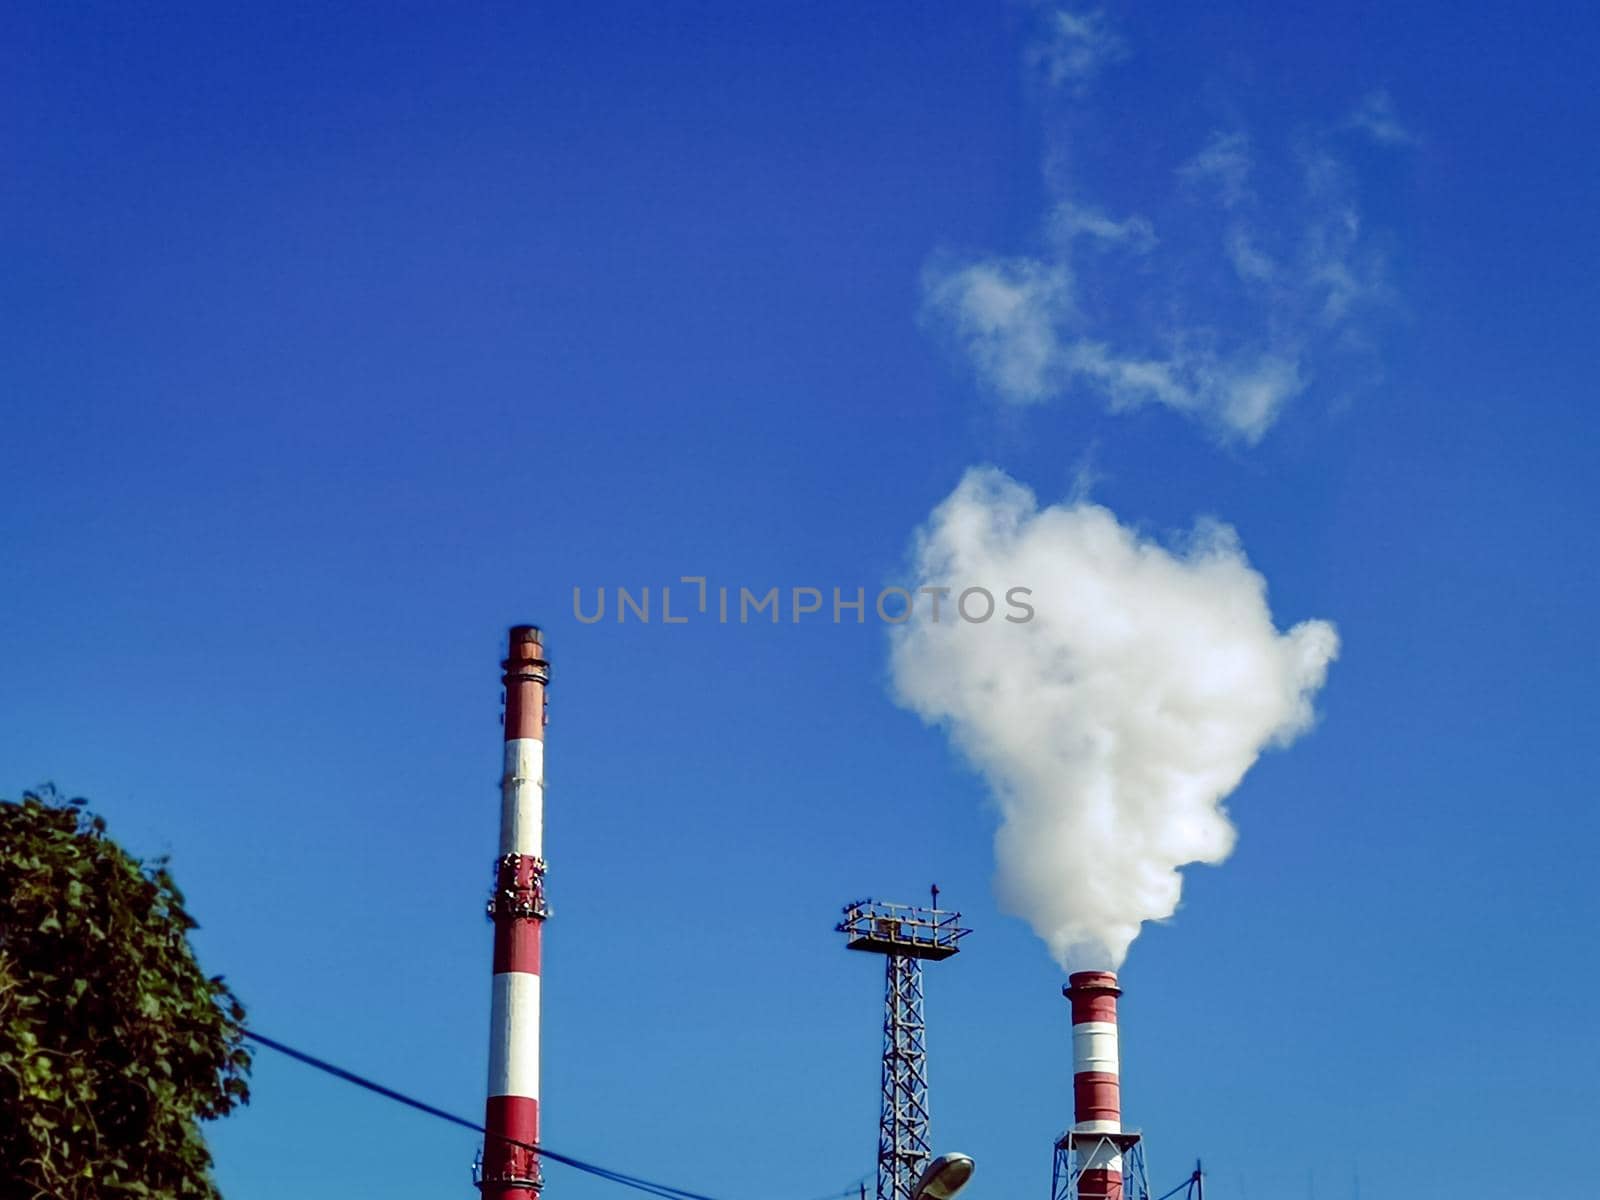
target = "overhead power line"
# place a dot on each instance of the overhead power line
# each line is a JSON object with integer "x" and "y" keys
{"x": 654, "y": 1188}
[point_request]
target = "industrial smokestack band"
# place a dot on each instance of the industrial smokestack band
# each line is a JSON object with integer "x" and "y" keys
{"x": 510, "y": 1170}
{"x": 1096, "y": 1081}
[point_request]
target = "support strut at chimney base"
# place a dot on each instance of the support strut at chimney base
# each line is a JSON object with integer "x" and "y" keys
{"x": 1078, "y": 1174}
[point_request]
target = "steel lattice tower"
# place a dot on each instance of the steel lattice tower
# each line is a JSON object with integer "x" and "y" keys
{"x": 905, "y": 936}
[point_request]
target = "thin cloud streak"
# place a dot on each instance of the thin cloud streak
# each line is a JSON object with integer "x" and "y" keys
{"x": 1305, "y": 275}
{"x": 1075, "y": 48}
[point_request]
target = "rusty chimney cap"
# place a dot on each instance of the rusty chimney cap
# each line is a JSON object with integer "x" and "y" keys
{"x": 1085, "y": 983}
{"x": 527, "y": 644}
{"x": 525, "y": 661}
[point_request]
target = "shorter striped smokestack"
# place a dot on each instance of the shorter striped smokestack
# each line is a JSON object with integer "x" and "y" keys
{"x": 1096, "y": 1086}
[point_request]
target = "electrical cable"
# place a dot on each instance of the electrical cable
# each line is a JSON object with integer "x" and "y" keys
{"x": 1189, "y": 1182}
{"x": 662, "y": 1190}
{"x": 666, "y": 1191}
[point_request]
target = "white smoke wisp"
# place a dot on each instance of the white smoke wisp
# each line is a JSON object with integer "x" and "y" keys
{"x": 1112, "y": 726}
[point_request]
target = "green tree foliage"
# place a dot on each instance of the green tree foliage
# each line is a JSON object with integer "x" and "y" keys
{"x": 113, "y": 1044}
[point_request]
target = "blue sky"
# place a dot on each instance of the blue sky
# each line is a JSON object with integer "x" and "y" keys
{"x": 338, "y": 341}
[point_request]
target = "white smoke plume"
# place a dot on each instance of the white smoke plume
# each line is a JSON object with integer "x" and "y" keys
{"x": 1112, "y": 726}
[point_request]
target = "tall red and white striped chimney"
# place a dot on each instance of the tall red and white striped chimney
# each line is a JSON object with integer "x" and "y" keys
{"x": 510, "y": 1168}
{"x": 1096, "y": 1087}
